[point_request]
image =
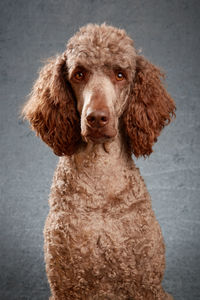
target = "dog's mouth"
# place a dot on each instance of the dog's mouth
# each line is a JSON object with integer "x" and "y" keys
{"x": 98, "y": 137}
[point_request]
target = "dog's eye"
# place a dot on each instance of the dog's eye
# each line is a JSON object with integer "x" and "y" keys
{"x": 119, "y": 76}
{"x": 79, "y": 76}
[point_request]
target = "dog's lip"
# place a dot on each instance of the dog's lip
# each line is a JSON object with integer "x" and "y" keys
{"x": 99, "y": 138}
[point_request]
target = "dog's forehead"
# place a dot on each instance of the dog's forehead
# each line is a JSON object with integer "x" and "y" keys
{"x": 101, "y": 45}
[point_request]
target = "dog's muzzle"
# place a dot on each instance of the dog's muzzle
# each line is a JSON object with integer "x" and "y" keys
{"x": 99, "y": 127}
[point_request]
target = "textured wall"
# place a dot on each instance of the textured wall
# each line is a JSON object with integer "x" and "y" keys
{"x": 168, "y": 33}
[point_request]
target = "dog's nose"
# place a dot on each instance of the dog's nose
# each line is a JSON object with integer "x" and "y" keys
{"x": 97, "y": 118}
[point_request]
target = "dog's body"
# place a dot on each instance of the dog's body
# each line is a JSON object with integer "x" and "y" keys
{"x": 102, "y": 239}
{"x": 95, "y": 105}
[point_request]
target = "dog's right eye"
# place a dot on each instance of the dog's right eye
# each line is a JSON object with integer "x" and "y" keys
{"x": 119, "y": 76}
{"x": 79, "y": 76}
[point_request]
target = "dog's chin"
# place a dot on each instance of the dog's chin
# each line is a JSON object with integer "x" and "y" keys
{"x": 99, "y": 139}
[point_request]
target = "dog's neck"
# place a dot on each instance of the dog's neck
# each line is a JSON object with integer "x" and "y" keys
{"x": 106, "y": 170}
{"x": 102, "y": 156}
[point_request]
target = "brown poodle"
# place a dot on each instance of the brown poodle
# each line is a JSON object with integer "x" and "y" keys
{"x": 95, "y": 105}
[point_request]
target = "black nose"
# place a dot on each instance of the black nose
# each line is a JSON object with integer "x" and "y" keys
{"x": 97, "y": 118}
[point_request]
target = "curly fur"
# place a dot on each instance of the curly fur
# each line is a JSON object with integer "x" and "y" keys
{"x": 102, "y": 240}
{"x": 150, "y": 108}
{"x": 51, "y": 109}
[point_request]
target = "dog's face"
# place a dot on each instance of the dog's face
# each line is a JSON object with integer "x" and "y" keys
{"x": 96, "y": 97}
{"x": 99, "y": 80}
{"x": 100, "y": 69}
{"x": 101, "y": 95}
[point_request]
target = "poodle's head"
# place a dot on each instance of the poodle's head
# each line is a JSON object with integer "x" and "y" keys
{"x": 98, "y": 86}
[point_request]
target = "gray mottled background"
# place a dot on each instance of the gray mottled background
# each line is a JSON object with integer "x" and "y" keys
{"x": 168, "y": 33}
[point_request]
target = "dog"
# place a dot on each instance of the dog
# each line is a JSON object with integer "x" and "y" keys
{"x": 95, "y": 105}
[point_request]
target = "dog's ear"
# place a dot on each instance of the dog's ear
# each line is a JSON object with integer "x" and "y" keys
{"x": 51, "y": 108}
{"x": 150, "y": 108}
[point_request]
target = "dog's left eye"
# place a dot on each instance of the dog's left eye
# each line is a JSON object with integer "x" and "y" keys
{"x": 79, "y": 76}
{"x": 119, "y": 76}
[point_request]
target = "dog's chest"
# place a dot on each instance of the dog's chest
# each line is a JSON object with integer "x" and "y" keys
{"x": 104, "y": 187}
{"x": 100, "y": 214}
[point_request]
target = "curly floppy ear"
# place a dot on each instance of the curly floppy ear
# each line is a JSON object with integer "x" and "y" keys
{"x": 150, "y": 108}
{"x": 51, "y": 108}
